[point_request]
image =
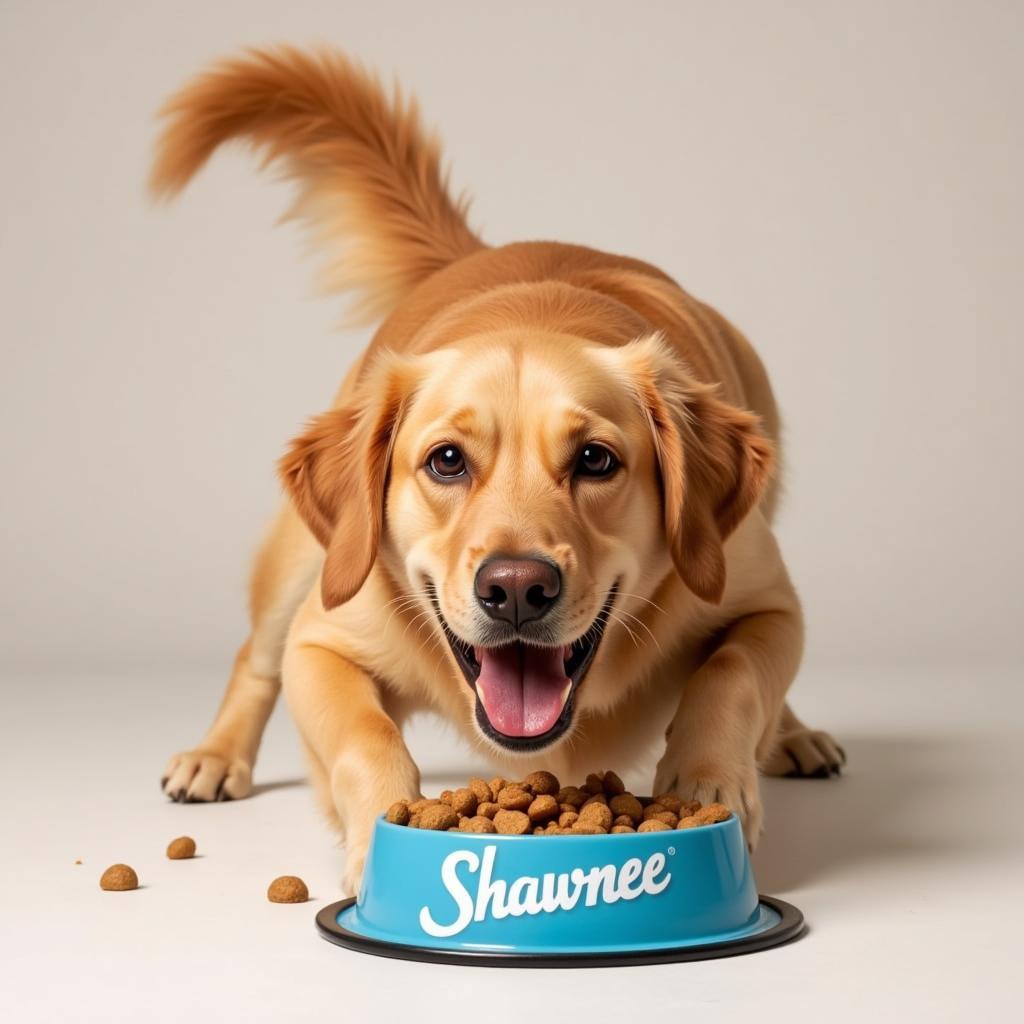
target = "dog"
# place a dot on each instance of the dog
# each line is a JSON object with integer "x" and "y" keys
{"x": 540, "y": 505}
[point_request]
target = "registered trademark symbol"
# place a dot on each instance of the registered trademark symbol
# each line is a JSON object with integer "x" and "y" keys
{"x": 671, "y": 850}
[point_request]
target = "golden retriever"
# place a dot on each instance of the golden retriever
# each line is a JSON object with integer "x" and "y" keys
{"x": 540, "y": 507}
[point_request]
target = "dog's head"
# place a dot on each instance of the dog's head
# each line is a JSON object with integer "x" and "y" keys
{"x": 528, "y": 488}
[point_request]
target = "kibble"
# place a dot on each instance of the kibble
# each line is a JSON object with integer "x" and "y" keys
{"x": 119, "y": 878}
{"x": 540, "y": 805}
{"x": 613, "y": 785}
{"x": 181, "y": 848}
{"x": 511, "y": 823}
{"x": 542, "y": 783}
{"x": 626, "y": 805}
{"x": 653, "y": 825}
{"x": 670, "y": 802}
{"x": 438, "y": 818}
{"x": 596, "y": 814}
{"x": 478, "y": 823}
{"x": 398, "y": 813}
{"x": 514, "y": 798}
{"x": 543, "y": 808}
{"x": 464, "y": 802}
{"x": 287, "y": 889}
{"x": 481, "y": 790}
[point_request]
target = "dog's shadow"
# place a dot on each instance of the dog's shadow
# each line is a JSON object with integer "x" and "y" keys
{"x": 900, "y": 800}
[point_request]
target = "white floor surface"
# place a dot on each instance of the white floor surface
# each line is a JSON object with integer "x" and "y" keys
{"x": 909, "y": 871}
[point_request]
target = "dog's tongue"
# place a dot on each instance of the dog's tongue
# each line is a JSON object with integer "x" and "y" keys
{"x": 523, "y": 688}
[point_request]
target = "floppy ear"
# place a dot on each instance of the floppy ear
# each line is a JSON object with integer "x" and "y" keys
{"x": 336, "y": 474}
{"x": 714, "y": 463}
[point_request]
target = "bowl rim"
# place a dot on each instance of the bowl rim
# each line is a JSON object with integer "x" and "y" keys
{"x": 382, "y": 822}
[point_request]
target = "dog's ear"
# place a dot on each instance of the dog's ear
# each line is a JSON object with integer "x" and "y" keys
{"x": 713, "y": 459}
{"x": 337, "y": 471}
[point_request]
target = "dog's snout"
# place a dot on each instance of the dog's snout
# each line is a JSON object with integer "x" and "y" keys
{"x": 517, "y": 590}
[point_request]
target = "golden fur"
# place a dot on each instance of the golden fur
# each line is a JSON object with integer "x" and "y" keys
{"x": 519, "y": 354}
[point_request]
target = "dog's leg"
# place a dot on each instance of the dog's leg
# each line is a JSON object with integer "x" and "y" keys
{"x": 366, "y": 764}
{"x": 802, "y": 753}
{"x": 729, "y": 713}
{"x": 220, "y": 768}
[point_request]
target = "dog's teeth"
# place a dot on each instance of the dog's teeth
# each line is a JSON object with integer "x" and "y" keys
{"x": 480, "y": 696}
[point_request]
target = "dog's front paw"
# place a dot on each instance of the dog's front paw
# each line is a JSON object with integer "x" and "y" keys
{"x": 803, "y": 753}
{"x": 734, "y": 785}
{"x": 202, "y": 775}
{"x": 355, "y": 864}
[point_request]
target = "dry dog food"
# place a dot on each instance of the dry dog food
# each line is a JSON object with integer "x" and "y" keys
{"x": 181, "y": 848}
{"x": 541, "y": 806}
{"x": 287, "y": 889}
{"x": 119, "y": 878}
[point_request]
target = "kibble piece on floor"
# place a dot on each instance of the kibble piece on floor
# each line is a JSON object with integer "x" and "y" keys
{"x": 181, "y": 848}
{"x": 119, "y": 878}
{"x": 512, "y": 823}
{"x": 287, "y": 889}
{"x": 438, "y": 817}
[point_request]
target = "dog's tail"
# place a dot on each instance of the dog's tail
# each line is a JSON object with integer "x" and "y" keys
{"x": 371, "y": 183}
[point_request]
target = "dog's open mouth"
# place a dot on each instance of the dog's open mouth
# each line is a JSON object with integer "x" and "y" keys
{"x": 524, "y": 693}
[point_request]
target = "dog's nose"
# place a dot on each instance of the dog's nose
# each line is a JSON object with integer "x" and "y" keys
{"x": 517, "y": 590}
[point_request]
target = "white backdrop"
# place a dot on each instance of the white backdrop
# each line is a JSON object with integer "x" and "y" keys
{"x": 842, "y": 182}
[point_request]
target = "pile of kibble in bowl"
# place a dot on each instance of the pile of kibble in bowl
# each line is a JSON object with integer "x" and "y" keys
{"x": 541, "y": 806}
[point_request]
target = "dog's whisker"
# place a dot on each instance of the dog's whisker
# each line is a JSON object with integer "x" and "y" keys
{"x": 646, "y": 600}
{"x": 612, "y": 615}
{"x": 643, "y": 625}
{"x": 410, "y": 603}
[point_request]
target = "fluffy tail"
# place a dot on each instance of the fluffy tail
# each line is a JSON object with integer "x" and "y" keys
{"x": 371, "y": 185}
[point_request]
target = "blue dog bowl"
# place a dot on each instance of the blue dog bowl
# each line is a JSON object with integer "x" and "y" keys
{"x": 559, "y": 901}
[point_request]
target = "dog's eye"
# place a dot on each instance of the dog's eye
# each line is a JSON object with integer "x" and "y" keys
{"x": 596, "y": 461}
{"x": 446, "y": 462}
